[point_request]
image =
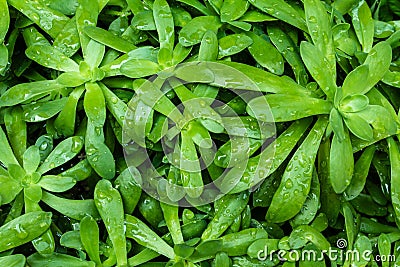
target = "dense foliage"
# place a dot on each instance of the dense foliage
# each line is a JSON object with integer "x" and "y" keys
{"x": 199, "y": 133}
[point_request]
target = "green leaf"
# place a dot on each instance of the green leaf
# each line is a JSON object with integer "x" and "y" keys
{"x": 80, "y": 171}
{"x": 71, "y": 239}
{"x": 165, "y": 29}
{"x": 57, "y": 259}
{"x": 236, "y": 244}
{"x": 144, "y": 236}
{"x": 89, "y": 236}
{"x": 231, "y": 207}
{"x": 336, "y": 123}
{"x": 297, "y": 107}
{"x": 16, "y": 131}
{"x": 296, "y": 180}
{"x": 16, "y": 260}
{"x": 9, "y": 189}
{"x": 75, "y": 209}
{"x": 94, "y": 104}
{"x": 65, "y": 121}
{"x": 23, "y": 229}
{"x": 319, "y": 27}
{"x": 267, "y": 82}
{"x": 353, "y": 103}
{"x": 233, "y": 44}
{"x": 380, "y": 119}
{"x": 137, "y": 68}
{"x": 109, "y": 39}
{"x": 256, "y": 16}
{"x": 341, "y": 163}
{"x": 94, "y": 58}
{"x": 281, "y": 10}
{"x": 42, "y": 111}
{"x": 208, "y": 47}
{"x": 192, "y": 33}
{"x": 259, "y": 167}
{"x": 378, "y": 61}
{"x": 363, "y": 25}
{"x": 392, "y": 78}
{"x": 6, "y": 154}
{"x": 197, "y": 5}
{"x": 128, "y": 184}
{"x": 49, "y": 20}
{"x": 31, "y": 159}
{"x": 311, "y": 205}
{"x": 385, "y": 248}
{"x": 98, "y": 153}
{"x": 184, "y": 251}
{"x": 32, "y": 194}
{"x": 394, "y": 156}
{"x": 144, "y": 21}
{"x": 4, "y": 20}
{"x": 171, "y": 217}
{"x": 355, "y": 82}
{"x": 67, "y": 41}
{"x": 109, "y": 204}
{"x": 28, "y": 91}
{"x": 359, "y": 127}
{"x": 190, "y": 167}
{"x": 290, "y": 52}
{"x": 86, "y": 15}
{"x": 361, "y": 170}
{"x": 241, "y": 25}
{"x": 50, "y": 57}
{"x": 62, "y": 153}
{"x": 3, "y": 58}
{"x": 315, "y": 62}
{"x": 233, "y": 9}
{"x": 363, "y": 245}
{"x": 304, "y": 234}
{"x": 180, "y": 53}
{"x": 266, "y": 54}
{"x": 57, "y": 183}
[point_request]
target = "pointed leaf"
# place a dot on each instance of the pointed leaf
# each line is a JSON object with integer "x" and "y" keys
{"x": 50, "y": 57}
{"x": 297, "y": 107}
{"x": 296, "y": 180}
{"x": 28, "y": 91}
{"x": 144, "y": 236}
{"x": 341, "y": 163}
{"x": 62, "y": 153}
{"x": 23, "y": 229}
{"x": 192, "y": 33}
{"x": 109, "y": 204}
{"x": 316, "y": 62}
{"x": 359, "y": 127}
{"x": 75, "y": 209}
{"x": 31, "y": 159}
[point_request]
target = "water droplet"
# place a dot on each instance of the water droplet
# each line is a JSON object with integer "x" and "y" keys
{"x": 269, "y": 10}
{"x": 91, "y": 150}
{"x": 98, "y": 130}
{"x": 43, "y": 146}
{"x": 289, "y": 184}
{"x": 21, "y": 232}
{"x": 312, "y": 19}
{"x": 77, "y": 144}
